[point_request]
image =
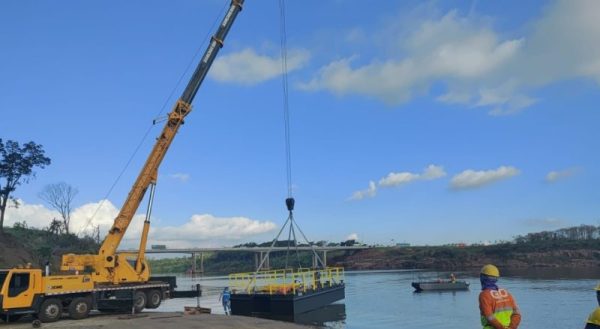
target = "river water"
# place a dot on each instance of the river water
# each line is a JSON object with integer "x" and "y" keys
{"x": 385, "y": 299}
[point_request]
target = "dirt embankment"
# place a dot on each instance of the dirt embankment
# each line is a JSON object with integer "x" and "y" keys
{"x": 465, "y": 258}
{"x": 12, "y": 252}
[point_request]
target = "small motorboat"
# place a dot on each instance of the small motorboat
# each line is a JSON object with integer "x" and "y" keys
{"x": 441, "y": 285}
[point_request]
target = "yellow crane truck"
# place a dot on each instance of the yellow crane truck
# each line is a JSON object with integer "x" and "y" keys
{"x": 109, "y": 280}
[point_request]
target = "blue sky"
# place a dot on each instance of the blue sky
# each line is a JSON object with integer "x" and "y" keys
{"x": 421, "y": 122}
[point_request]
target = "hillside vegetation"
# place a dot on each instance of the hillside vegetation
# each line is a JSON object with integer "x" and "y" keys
{"x": 574, "y": 247}
{"x": 21, "y": 244}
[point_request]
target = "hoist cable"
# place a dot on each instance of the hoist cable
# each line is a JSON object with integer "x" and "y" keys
{"x": 286, "y": 116}
{"x": 286, "y": 119}
{"x": 290, "y": 200}
{"x": 284, "y": 83}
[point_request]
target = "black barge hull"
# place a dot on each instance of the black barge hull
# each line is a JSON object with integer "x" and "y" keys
{"x": 284, "y": 305}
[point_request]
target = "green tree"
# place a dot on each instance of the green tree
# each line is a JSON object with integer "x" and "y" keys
{"x": 55, "y": 227}
{"x": 16, "y": 167}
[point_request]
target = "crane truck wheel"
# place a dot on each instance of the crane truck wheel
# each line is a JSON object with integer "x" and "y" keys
{"x": 154, "y": 297}
{"x": 139, "y": 301}
{"x": 79, "y": 308}
{"x": 50, "y": 311}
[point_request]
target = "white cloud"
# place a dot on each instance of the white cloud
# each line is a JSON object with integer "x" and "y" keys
{"x": 352, "y": 236}
{"x": 182, "y": 177}
{"x": 448, "y": 49}
{"x": 478, "y": 66}
{"x": 208, "y": 229}
{"x": 503, "y": 99}
{"x": 473, "y": 179}
{"x": 199, "y": 230}
{"x": 89, "y": 215}
{"x": 246, "y": 67}
{"x": 554, "y": 176}
{"x": 399, "y": 178}
{"x": 433, "y": 172}
{"x": 565, "y": 42}
{"x": 39, "y": 216}
{"x": 370, "y": 192}
{"x": 36, "y": 215}
{"x": 396, "y": 179}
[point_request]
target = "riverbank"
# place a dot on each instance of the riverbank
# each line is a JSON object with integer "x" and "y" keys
{"x": 155, "y": 320}
{"x": 557, "y": 254}
{"x": 536, "y": 250}
{"x": 509, "y": 255}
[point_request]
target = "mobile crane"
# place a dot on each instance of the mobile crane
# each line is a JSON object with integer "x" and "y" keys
{"x": 108, "y": 280}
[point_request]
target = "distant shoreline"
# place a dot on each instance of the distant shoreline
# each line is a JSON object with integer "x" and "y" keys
{"x": 545, "y": 250}
{"x": 509, "y": 256}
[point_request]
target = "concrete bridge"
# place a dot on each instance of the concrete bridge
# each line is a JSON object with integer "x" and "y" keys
{"x": 260, "y": 253}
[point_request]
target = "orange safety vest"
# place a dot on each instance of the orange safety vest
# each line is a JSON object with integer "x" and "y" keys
{"x": 498, "y": 305}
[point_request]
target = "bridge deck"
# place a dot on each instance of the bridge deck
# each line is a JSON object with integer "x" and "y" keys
{"x": 251, "y": 249}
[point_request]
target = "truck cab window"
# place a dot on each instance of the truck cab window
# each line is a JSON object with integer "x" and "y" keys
{"x": 19, "y": 282}
{"x": 3, "y": 275}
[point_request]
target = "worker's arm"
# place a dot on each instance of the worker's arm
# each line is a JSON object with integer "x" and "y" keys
{"x": 515, "y": 318}
{"x": 487, "y": 310}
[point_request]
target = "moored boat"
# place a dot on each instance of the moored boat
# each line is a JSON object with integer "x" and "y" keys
{"x": 440, "y": 285}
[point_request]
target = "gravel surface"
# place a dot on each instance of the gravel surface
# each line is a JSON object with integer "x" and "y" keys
{"x": 160, "y": 321}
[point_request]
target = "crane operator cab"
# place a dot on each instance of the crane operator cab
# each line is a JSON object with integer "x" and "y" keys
{"x": 20, "y": 289}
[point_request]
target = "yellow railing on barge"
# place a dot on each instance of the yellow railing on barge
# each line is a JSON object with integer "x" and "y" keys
{"x": 287, "y": 281}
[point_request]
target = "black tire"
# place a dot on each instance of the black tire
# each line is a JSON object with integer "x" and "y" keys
{"x": 50, "y": 311}
{"x": 10, "y": 318}
{"x": 139, "y": 301}
{"x": 79, "y": 308}
{"x": 153, "y": 299}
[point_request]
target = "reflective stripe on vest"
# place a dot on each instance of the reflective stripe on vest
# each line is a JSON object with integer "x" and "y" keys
{"x": 503, "y": 316}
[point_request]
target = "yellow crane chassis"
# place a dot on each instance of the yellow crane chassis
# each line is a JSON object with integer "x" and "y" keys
{"x": 27, "y": 291}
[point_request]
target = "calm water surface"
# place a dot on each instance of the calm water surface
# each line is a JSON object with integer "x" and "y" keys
{"x": 385, "y": 299}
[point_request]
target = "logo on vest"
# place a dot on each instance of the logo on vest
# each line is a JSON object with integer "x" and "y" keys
{"x": 499, "y": 294}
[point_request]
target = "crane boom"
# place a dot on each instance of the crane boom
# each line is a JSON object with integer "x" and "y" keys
{"x": 107, "y": 258}
{"x": 182, "y": 108}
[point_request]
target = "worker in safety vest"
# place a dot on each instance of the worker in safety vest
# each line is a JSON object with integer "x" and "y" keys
{"x": 593, "y": 321}
{"x": 225, "y": 298}
{"x": 497, "y": 306}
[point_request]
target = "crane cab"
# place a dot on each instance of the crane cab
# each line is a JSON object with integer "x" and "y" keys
{"x": 20, "y": 291}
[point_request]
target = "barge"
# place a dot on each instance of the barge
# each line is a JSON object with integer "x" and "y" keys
{"x": 285, "y": 294}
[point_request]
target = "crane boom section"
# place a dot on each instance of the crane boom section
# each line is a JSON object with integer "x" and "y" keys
{"x": 181, "y": 109}
{"x": 211, "y": 52}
